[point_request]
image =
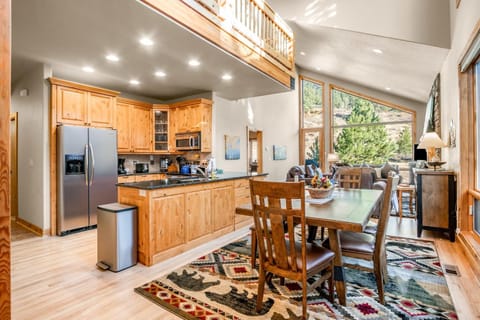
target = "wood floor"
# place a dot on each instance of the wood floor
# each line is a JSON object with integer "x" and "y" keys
{"x": 56, "y": 278}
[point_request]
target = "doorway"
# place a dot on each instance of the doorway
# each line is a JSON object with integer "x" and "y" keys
{"x": 254, "y": 151}
{"x": 13, "y": 166}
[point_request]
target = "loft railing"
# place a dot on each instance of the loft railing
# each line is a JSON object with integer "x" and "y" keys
{"x": 254, "y": 23}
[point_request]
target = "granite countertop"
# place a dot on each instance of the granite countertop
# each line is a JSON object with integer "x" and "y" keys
{"x": 139, "y": 173}
{"x": 178, "y": 181}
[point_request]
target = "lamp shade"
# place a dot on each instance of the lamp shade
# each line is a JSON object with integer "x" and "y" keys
{"x": 332, "y": 157}
{"x": 431, "y": 140}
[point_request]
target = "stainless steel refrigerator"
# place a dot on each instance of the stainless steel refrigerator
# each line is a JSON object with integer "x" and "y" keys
{"x": 86, "y": 175}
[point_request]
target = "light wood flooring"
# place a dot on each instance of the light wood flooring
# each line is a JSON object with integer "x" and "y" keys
{"x": 56, "y": 278}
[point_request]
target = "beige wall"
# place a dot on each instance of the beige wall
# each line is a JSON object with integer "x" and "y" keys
{"x": 33, "y": 146}
{"x": 464, "y": 20}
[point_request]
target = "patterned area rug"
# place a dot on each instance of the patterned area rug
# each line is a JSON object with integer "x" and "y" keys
{"x": 406, "y": 213}
{"x": 222, "y": 285}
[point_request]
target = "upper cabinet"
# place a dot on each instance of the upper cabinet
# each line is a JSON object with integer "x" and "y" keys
{"x": 134, "y": 126}
{"x": 162, "y": 141}
{"x": 79, "y": 104}
{"x": 193, "y": 116}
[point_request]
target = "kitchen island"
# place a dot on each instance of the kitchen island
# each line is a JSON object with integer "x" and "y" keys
{"x": 179, "y": 213}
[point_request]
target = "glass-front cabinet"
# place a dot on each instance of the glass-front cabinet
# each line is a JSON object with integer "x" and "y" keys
{"x": 160, "y": 127}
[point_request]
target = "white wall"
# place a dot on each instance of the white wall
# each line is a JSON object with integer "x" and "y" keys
{"x": 33, "y": 146}
{"x": 464, "y": 20}
{"x": 276, "y": 115}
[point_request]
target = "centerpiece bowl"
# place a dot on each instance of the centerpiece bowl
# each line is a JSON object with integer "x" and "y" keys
{"x": 320, "y": 193}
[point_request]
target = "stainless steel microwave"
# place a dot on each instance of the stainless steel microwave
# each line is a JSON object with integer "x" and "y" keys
{"x": 187, "y": 141}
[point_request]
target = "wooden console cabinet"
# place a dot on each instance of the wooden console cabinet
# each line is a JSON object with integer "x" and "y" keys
{"x": 436, "y": 196}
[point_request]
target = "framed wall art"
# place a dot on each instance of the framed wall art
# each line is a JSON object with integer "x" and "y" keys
{"x": 232, "y": 147}
{"x": 279, "y": 152}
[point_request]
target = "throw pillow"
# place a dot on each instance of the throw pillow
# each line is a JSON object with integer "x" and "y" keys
{"x": 386, "y": 168}
{"x": 378, "y": 172}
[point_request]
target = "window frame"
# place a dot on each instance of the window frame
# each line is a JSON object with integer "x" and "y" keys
{"x": 319, "y": 130}
{"x": 372, "y": 99}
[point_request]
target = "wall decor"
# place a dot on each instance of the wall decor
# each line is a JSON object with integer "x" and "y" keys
{"x": 279, "y": 152}
{"x": 432, "y": 114}
{"x": 232, "y": 147}
{"x": 452, "y": 135}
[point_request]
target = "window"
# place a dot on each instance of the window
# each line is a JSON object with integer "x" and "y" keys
{"x": 476, "y": 74}
{"x": 367, "y": 130}
{"x": 311, "y": 122}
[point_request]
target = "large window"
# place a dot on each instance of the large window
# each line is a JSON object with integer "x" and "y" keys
{"x": 366, "y": 130}
{"x": 311, "y": 122}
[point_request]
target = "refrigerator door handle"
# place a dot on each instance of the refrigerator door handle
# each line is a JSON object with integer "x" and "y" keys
{"x": 93, "y": 163}
{"x": 87, "y": 169}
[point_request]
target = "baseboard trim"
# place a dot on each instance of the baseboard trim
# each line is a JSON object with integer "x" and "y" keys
{"x": 31, "y": 227}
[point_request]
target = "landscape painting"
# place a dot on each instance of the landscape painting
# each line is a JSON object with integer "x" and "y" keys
{"x": 279, "y": 152}
{"x": 232, "y": 147}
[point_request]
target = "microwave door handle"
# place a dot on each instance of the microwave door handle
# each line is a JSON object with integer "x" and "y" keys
{"x": 191, "y": 141}
{"x": 92, "y": 153}
{"x": 86, "y": 169}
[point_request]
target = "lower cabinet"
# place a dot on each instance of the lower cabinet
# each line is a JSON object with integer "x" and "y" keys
{"x": 168, "y": 221}
{"x": 198, "y": 214}
{"x": 223, "y": 209}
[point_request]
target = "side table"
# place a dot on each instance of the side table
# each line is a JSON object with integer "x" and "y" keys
{"x": 410, "y": 189}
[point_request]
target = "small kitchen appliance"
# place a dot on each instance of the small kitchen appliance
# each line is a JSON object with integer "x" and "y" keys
{"x": 121, "y": 166}
{"x": 141, "y": 168}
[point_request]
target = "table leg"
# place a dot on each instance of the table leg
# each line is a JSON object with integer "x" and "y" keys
{"x": 399, "y": 196}
{"x": 338, "y": 272}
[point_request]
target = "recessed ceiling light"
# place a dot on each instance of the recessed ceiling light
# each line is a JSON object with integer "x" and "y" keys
{"x": 135, "y": 82}
{"x": 88, "y": 69}
{"x": 227, "y": 76}
{"x": 377, "y": 51}
{"x": 193, "y": 62}
{"x": 388, "y": 88}
{"x": 112, "y": 57}
{"x": 302, "y": 53}
{"x": 160, "y": 74}
{"x": 146, "y": 42}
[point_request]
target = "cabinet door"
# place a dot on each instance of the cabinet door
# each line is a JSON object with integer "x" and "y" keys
{"x": 141, "y": 130}
{"x": 100, "y": 110}
{"x": 205, "y": 112}
{"x": 72, "y": 106}
{"x": 168, "y": 222}
{"x": 161, "y": 131}
{"x": 198, "y": 214}
{"x": 223, "y": 209}
{"x": 123, "y": 121}
{"x": 434, "y": 195}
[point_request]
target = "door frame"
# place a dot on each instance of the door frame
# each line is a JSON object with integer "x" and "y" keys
{"x": 14, "y": 166}
{"x": 257, "y": 135}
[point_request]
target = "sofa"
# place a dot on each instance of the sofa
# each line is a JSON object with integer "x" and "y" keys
{"x": 304, "y": 173}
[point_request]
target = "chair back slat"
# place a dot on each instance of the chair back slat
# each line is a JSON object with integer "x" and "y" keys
{"x": 381, "y": 233}
{"x": 349, "y": 178}
{"x": 277, "y": 208}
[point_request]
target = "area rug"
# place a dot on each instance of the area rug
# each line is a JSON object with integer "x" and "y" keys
{"x": 222, "y": 285}
{"x": 406, "y": 213}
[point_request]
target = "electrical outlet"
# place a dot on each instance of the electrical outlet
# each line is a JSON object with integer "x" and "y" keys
{"x": 470, "y": 210}
{"x": 457, "y": 231}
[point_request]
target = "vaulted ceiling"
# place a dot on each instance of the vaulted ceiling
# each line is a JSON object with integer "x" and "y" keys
{"x": 333, "y": 37}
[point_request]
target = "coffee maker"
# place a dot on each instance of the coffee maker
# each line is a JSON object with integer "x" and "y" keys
{"x": 121, "y": 166}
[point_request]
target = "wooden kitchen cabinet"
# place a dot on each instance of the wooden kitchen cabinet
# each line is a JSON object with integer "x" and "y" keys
{"x": 133, "y": 124}
{"x": 79, "y": 104}
{"x": 223, "y": 206}
{"x": 193, "y": 116}
{"x": 436, "y": 196}
{"x": 162, "y": 142}
{"x": 198, "y": 214}
{"x": 169, "y": 221}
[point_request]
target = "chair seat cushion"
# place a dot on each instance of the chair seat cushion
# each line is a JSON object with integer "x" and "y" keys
{"x": 357, "y": 242}
{"x": 315, "y": 255}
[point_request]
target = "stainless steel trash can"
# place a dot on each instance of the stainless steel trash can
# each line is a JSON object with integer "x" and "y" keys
{"x": 116, "y": 236}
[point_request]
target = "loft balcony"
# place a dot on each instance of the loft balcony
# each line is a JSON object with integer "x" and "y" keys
{"x": 247, "y": 29}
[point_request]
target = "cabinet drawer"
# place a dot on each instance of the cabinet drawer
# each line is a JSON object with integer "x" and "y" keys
{"x": 126, "y": 179}
{"x": 242, "y": 183}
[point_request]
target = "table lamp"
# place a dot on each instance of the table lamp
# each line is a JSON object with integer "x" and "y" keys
{"x": 332, "y": 158}
{"x": 431, "y": 141}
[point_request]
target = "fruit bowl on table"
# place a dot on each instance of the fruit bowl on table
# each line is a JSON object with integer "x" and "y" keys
{"x": 320, "y": 193}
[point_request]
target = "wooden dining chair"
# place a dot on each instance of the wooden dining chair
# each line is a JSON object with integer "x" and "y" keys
{"x": 370, "y": 247}
{"x": 349, "y": 178}
{"x": 278, "y": 206}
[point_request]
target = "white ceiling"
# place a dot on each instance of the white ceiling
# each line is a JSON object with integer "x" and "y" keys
{"x": 70, "y": 34}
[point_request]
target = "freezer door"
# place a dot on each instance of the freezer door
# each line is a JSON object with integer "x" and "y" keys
{"x": 72, "y": 189}
{"x": 102, "y": 170}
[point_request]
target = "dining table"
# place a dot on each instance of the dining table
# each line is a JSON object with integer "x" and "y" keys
{"x": 348, "y": 209}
